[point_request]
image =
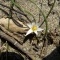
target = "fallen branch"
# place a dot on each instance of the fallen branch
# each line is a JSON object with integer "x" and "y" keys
{"x": 12, "y": 26}
{"x": 10, "y": 34}
{"x": 14, "y": 44}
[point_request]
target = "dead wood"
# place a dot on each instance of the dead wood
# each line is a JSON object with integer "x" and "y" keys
{"x": 10, "y": 34}
{"x": 20, "y": 12}
{"x": 12, "y": 26}
{"x": 10, "y": 39}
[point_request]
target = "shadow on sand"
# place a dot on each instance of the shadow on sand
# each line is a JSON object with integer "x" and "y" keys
{"x": 10, "y": 56}
{"x": 55, "y": 55}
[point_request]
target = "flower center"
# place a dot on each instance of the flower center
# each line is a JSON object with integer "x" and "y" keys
{"x": 34, "y": 27}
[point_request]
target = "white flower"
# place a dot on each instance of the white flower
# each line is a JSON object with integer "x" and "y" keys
{"x": 34, "y": 27}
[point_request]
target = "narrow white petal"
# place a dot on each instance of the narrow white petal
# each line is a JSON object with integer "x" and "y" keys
{"x": 39, "y": 29}
{"x": 29, "y": 25}
{"x": 33, "y": 23}
{"x": 36, "y": 32}
{"x": 38, "y": 24}
{"x": 28, "y": 32}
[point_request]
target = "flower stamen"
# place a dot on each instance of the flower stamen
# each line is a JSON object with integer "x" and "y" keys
{"x": 34, "y": 28}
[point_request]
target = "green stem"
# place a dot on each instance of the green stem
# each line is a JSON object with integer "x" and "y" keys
{"x": 47, "y": 17}
{"x": 37, "y": 7}
{"x": 43, "y": 16}
{"x": 41, "y": 9}
{"x": 23, "y": 10}
{"x": 46, "y": 27}
{"x": 8, "y": 23}
{"x": 11, "y": 8}
{"x": 10, "y": 13}
{"x": 18, "y": 6}
{"x": 7, "y": 47}
{"x": 49, "y": 12}
{"x": 51, "y": 9}
{"x": 30, "y": 14}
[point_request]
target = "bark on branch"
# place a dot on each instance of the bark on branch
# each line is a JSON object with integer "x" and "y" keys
{"x": 12, "y": 26}
{"x": 13, "y": 42}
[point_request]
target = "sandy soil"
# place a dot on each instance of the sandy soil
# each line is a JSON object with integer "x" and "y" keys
{"x": 53, "y": 27}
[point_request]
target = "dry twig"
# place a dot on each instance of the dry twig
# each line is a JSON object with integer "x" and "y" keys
{"x": 4, "y": 34}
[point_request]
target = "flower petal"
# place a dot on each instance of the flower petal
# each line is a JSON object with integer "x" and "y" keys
{"x": 29, "y": 25}
{"x": 28, "y": 32}
{"x": 39, "y": 29}
{"x": 36, "y": 32}
{"x": 33, "y": 23}
{"x": 38, "y": 24}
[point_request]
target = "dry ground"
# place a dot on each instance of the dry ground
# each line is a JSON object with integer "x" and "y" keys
{"x": 34, "y": 50}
